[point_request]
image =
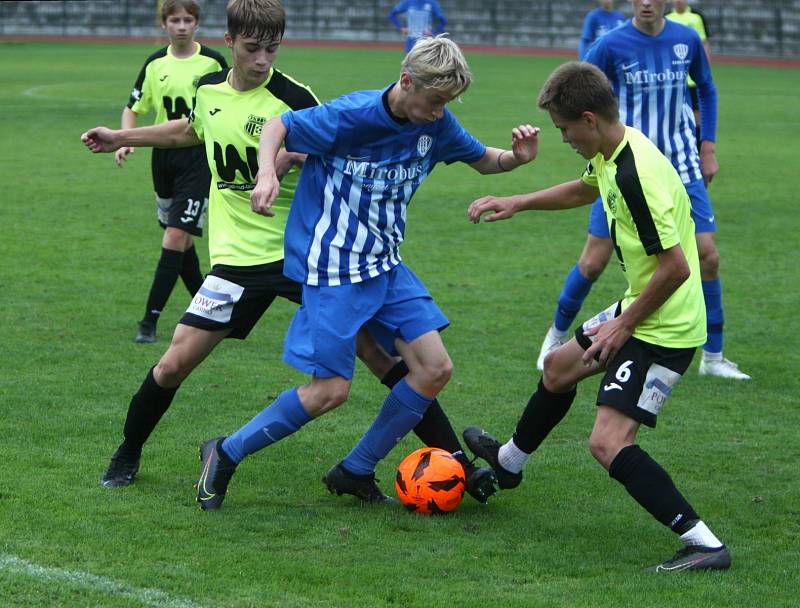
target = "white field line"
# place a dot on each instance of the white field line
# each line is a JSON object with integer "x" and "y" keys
{"x": 148, "y": 597}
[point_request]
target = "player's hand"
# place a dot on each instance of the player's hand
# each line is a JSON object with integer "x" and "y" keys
{"x": 100, "y": 139}
{"x": 502, "y": 208}
{"x": 708, "y": 161}
{"x": 121, "y": 155}
{"x": 265, "y": 193}
{"x": 608, "y": 339}
{"x": 525, "y": 143}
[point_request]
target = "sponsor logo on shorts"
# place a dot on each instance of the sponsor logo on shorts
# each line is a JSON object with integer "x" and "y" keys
{"x": 657, "y": 387}
{"x": 215, "y": 299}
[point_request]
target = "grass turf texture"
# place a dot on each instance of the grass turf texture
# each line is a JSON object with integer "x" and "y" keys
{"x": 79, "y": 248}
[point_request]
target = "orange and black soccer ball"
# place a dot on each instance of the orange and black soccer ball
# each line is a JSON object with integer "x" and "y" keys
{"x": 430, "y": 481}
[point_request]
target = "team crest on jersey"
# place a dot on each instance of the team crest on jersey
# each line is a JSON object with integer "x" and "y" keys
{"x": 254, "y": 124}
{"x": 424, "y": 144}
{"x": 195, "y": 80}
{"x": 681, "y": 51}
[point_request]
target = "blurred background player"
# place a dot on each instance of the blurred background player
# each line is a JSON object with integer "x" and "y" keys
{"x": 246, "y": 249}
{"x": 422, "y": 18}
{"x": 167, "y": 84}
{"x": 637, "y": 58}
{"x": 685, "y": 14}
{"x": 368, "y": 152}
{"x": 643, "y": 343}
{"x": 597, "y": 23}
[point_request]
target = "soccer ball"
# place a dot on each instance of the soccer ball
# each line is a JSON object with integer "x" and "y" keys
{"x": 430, "y": 481}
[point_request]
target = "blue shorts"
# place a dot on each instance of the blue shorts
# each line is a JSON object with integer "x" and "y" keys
{"x": 702, "y": 214}
{"x": 598, "y": 224}
{"x": 321, "y": 340}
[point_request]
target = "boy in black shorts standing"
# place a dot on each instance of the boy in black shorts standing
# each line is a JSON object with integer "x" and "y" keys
{"x": 643, "y": 343}
{"x": 167, "y": 84}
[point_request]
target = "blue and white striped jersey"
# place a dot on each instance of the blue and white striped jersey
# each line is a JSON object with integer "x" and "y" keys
{"x": 648, "y": 74}
{"x": 348, "y": 215}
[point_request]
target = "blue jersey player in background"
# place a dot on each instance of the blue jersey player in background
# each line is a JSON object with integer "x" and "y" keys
{"x": 367, "y": 153}
{"x": 420, "y": 16}
{"x": 648, "y": 61}
{"x": 597, "y": 23}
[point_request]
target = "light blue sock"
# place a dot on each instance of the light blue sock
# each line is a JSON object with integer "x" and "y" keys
{"x": 280, "y": 419}
{"x": 576, "y": 288}
{"x": 402, "y": 410}
{"x": 715, "y": 315}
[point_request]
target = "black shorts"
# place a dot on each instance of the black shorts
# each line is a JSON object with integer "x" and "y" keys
{"x": 237, "y": 296}
{"x": 181, "y": 179}
{"x": 641, "y": 375}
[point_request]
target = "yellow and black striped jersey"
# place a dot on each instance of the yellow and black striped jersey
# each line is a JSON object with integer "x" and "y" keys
{"x": 229, "y": 122}
{"x": 648, "y": 211}
{"x": 167, "y": 84}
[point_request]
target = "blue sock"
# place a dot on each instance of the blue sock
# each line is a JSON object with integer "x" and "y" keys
{"x": 402, "y": 410}
{"x": 575, "y": 290}
{"x": 280, "y": 419}
{"x": 715, "y": 316}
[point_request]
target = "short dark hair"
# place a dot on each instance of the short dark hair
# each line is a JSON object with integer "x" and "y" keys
{"x": 168, "y": 7}
{"x": 577, "y": 87}
{"x": 261, "y": 19}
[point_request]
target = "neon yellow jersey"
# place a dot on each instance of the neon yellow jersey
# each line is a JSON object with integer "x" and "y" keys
{"x": 167, "y": 83}
{"x": 693, "y": 20}
{"x": 648, "y": 211}
{"x": 229, "y": 122}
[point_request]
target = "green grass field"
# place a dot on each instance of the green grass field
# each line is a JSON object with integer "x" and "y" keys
{"x": 79, "y": 244}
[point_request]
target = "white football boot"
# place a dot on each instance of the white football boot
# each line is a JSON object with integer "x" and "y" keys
{"x": 721, "y": 367}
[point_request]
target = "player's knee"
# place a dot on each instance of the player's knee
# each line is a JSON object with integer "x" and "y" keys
{"x": 592, "y": 266}
{"x": 553, "y": 377}
{"x": 435, "y": 375}
{"x": 709, "y": 264}
{"x": 601, "y": 449}
{"x": 170, "y": 371}
{"x": 331, "y": 396}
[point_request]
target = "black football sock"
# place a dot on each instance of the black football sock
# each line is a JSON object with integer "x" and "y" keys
{"x": 167, "y": 272}
{"x": 190, "y": 271}
{"x": 145, "y": 410}
{"x": 543, "y": 412}
{"x": 434, "y": 430}
{"x": 653, "y": 488}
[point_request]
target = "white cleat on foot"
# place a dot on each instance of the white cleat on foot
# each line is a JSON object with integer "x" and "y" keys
{"x": 722, "y": 368}
{"x": 552, "y": 341}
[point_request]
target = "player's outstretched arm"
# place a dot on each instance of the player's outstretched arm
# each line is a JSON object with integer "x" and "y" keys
{"x": 524, "y": 147}
{"x": 267, "y": 182}
{"x": 563, "y": 196}
{"x": 170, "y": 134}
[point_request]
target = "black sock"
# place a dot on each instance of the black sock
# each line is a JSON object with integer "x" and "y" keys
{"x": 434, "y": 430}
{"x": 167, "y": 272}
{"x": 190, "y": 271}
{"x": 145, "y": 410}
{"x": 543, "y": 412}
{"x": 653, "y": 488}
